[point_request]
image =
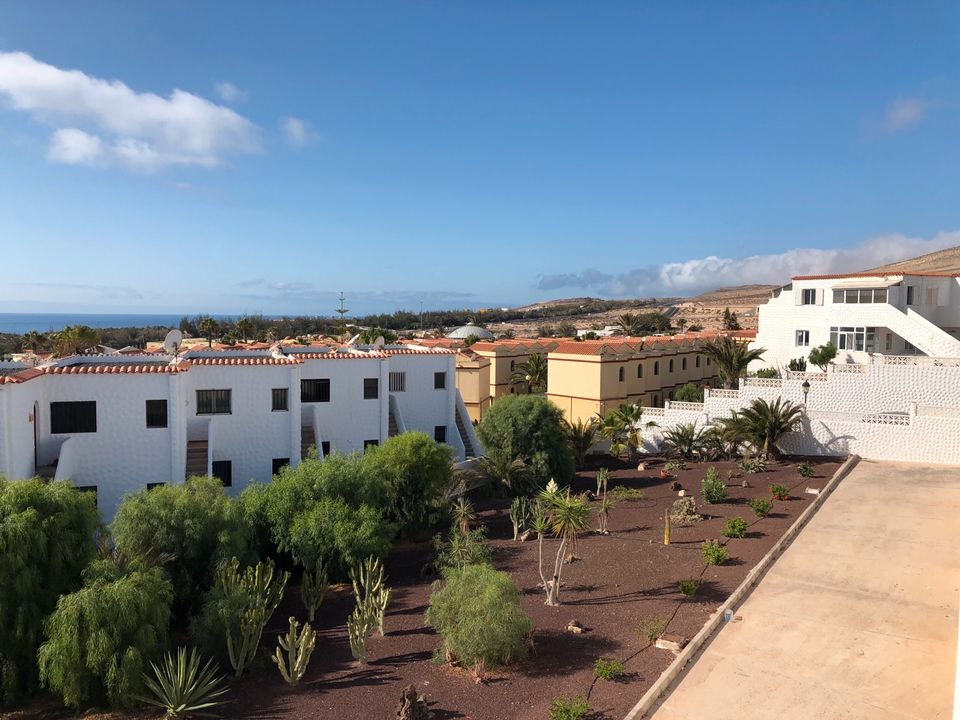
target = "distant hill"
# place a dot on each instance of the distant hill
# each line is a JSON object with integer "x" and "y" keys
{"x": 739, "y": 295}
{"x": 942, "y": 261}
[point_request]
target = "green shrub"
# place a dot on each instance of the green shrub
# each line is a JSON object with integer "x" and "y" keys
{"x": 684, "y": 512}
{"x": 805, "y": 470}
{"x": 712, "y": 488}
{"x": 652, "y": 628}
{"x": 531, "y": 428}
{"x": 193, "y": 528}
{"x": 621, "y": 493}
{"x": 574, "y": 708}
{"x": 797, "y": 365}
{"x": 735, "y": 527}
{"x": 760, "y": 506}
{"x": 780, "y": 492}
{"x": 608, "y": 669}
{"x": 689, "y": 393}
{"x": 462, "y": 549}
{"x": 689, "y": 587}
{"x": 713, "y": 553}
{"x": 102, "y": 638}
{"x": 753, "y": 465}
{"x": 46, "y": 540}
{"x": 674, "y": 465}
{"x": 477, "y": 612}
{"x": 182, "y": 687}
{"x": 768, "y": 373}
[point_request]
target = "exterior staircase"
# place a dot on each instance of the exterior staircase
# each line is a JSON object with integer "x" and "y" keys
{"x": 911, "y": 326}
{"x": 393, "y": 429}
{"x": 197, "y": 451}
{"x": 308, "y": 439}
{"x": 464, "y": 436}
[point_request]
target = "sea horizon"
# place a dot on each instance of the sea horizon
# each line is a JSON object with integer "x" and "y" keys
{"x": 21, "y": 323}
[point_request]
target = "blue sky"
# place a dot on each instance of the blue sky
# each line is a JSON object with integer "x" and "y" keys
{"x": 255, "y": 159}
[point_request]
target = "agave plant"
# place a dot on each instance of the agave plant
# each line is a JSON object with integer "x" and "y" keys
{"x": 182, "y": 687}
{"x": 684, "y": 440}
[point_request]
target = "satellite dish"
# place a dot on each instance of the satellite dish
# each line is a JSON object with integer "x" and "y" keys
{"x": 171, "y": 343}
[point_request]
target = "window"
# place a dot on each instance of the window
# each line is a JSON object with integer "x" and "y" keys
{"x": 860, "y": 295}
{"x": 73, "y": 417}
{"x": 803, "y": 338}
{"x": 277, "y": 464}
{"x": 708, "y": 362}
{"x": 889, "y": 342}
{"x": 398, "y": 382}
{"x": 639, "y": 370}
{"x": 440, "y": 433}
{"x": 325, "y": 447}
{"x": 670, "y": 366}
{"x": 853, "y": 338}
{"x": 278, "y": 398}
{"x": 911, "y": 294}
{"x": 89, "y": 489}
{"x": 697, "y": 363}
{"x": 315, "y": 390}
{"x": 371, "y": 388}
{"x": 156, "y": 413}
{"x": 367, "y": 444}
{"x": 683, "y": 363}
{"x": 213, "y": 402}
{"x": 153, "y": 486}
{"x": 513, "y": 364}
{"x": 933, "y": 296}
{"x": 621, "y": 374}
{"x": 808, "y": 296}
{"x": 439, "y": 381}
{"x": 656, "y": 368}
{"x": 908, "y": 347}
{"x": 223, "y": 471}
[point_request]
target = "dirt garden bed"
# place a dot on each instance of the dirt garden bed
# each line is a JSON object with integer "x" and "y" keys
{"x": 622, "y": 579}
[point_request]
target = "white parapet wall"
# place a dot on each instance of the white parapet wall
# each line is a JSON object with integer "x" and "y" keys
{"x": 892, "y": 408}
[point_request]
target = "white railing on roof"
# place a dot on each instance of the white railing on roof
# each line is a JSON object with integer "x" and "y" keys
{"x": 851, "y": 368}
{"x": 655, "y": 412}
{"x": 886, "y": 419}
{"x": 815, "y": 376}
{"x": 917, "y": 360}
{"x": 721, "y": 393}
{"x": 681, "y": 405}
{"x": 761, "y": 382}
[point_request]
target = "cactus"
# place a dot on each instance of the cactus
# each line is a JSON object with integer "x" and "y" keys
{"x": 369, "y": 589}
{"x": 261, "y": 593}
{"x": 312, "y": 589}
{"x": 298, "y": 648}
{"x": 520, "y": 515}
{"x": 359, "y": 625}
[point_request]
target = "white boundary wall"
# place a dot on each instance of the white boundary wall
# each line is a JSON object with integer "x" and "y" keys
{"x": 893, "y": 408}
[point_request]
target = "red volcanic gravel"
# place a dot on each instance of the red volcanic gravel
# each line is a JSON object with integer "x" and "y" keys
{"x": 620, "y": 580}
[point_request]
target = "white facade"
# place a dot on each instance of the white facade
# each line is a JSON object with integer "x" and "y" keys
{"x": 861, "y": 314}
{"x": 86, "y": 418}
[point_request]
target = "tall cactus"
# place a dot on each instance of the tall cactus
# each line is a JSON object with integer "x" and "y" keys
{"x": 312, "y": 589}
{"x": 261, "y": 592}
{"x": 370, "y": 591}
{"x": 520, "y": 515}
{"x": 359, "y": 625}
{"x": 298, "y": 648}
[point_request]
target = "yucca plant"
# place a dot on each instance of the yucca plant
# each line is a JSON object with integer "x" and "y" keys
{"x": 684, "y": 440}
{"x": 463, "y": 514}
{"x": 182, "y": 687}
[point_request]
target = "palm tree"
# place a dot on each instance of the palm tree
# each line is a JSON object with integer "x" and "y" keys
{"x": 34, "y": 341}
{"x": 208, "y": 327}
{"x": 581, "y": 435}
{"x": 244, "y": 327}
{"x": 622, "y": 427}
{"x": 681, "y": 323}
{"x": 629, "y": 324}
{"x": 566, "y": 516}
{"x": 726, "y": 435}
{"x": 501, "y": 468}
{"x": 731, "y": 358}
{"x": 686, "y": 440}
{"x": 75, "y": 339}
{"x": 532, "y": 373}
{"x": 767, "y": 423}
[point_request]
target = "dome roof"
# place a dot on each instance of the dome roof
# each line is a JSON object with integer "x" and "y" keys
{"x": 465, "y": 331}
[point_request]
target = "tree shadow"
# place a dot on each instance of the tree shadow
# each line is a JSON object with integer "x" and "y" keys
{"x": 403, "y": 658}
{"x": 628, "y": 597}
{"x": 556, "y": 652}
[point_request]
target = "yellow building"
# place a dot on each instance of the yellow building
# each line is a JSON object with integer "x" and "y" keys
{"x": 594, "y": 376}
{"x": 473, "y": 382}
{"x": 506, "y": 356}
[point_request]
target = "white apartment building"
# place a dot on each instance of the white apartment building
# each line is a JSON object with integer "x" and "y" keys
{"x": 118, "y": 423}
{"x": 861, "y": 314}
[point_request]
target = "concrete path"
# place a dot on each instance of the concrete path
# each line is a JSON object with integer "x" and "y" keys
{"x": 857, "y": 620}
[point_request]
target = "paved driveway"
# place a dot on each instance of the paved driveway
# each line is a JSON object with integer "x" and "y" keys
{"x": 857, "y": 620}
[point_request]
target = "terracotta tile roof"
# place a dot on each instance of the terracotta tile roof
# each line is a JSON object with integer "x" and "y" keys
{"x": 635, "y": 345}
{"x": 340, "y": 355}
{"x": 419, "y": 351}
{"x": 268, "y": 360}
{"x": 96, "y": 369}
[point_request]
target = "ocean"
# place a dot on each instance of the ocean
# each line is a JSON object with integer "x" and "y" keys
{"x": 20, "y": 323}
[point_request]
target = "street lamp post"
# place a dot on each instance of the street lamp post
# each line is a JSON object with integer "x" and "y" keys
{"x": 806, "y": 390}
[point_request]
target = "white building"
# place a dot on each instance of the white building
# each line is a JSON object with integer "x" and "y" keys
{"x": 860, "y": 313}
{"x": 117, "y": 423}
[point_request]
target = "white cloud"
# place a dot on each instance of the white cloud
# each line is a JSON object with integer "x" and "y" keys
{"x": 903, "y": 114}
{"x": 297, "y": 133}
{"x": 230, "y": 93}
{"x": 141, "y": 131}
{"x": 694, "y": 276}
